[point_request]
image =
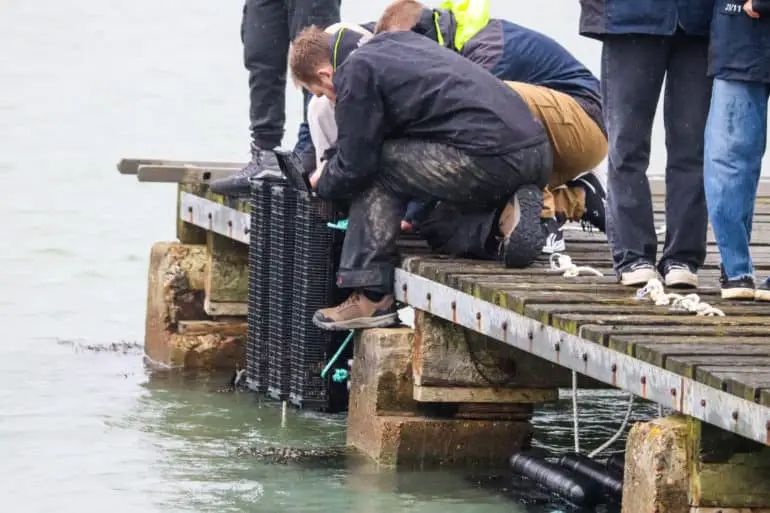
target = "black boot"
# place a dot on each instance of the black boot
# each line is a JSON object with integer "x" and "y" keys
{"x": 262, "y": 165}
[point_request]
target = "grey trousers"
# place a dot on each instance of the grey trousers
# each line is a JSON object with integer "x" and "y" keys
{"x": 412, "y": 169}
{"x": 267, "y": 28}
{"x": 633, "y": 68}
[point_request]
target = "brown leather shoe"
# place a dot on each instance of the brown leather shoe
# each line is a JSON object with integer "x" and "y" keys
{"x": 357, "y": 312}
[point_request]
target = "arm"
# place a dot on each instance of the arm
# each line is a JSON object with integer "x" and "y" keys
{"x": 360, "y": 114}
{"x": 761, "y": 6}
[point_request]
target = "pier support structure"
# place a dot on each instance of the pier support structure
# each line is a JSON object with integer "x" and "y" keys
{"x": 678, "y": 464}
{"x": 439, "y": 395}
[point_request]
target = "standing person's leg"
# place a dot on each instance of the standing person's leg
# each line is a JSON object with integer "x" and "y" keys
{"x": 265, "y": 36}
{"x": 686, "y": 107}
{"x": 419, "y": 169}
{"x": 735, "y": 139}
{"x": 633, "y": 68}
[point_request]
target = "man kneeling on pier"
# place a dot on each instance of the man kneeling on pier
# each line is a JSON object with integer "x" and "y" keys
{"x": 416, "y": 120}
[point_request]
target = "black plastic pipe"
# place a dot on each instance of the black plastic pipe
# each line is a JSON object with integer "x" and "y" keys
{"x": 616, "y": 463}
{"x": 594, "y": 471}
{"x": 573, "y": 488}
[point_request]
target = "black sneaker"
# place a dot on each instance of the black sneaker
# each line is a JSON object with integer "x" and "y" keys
{"x": 739, "y": 288}
{"x": 679, "y": 275}
{"x": 763, "y": 291}
{"x": 596, "y": 197}
{"x": 523, "y": 237}
{"x": 554, "y": 236}
{"x": 638, "y": 273}
{"x": 263, "y": 162}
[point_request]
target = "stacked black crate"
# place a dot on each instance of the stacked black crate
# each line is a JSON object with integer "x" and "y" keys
{"x": 259, "y": 288}
{"x": 314, "y": 266}
{"x": 281, "y": 229}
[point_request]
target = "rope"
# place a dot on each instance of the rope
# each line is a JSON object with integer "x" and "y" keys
{"x": 337, "y": 354}
{"x": 690, "y": 303}
{"x": 619, "y": 432}
{"x": 563, "y": 264}
{"x": 575, "y": 420}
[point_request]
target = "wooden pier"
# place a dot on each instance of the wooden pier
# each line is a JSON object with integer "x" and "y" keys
{"x": 714, "y": 369}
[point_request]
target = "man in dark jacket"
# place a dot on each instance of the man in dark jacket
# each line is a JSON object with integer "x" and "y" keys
{"x": 643, "y": 41}
{"x": 736, "y": 136}
{"x": 559, "y": 90}
{"x": 417, "y": 121}
{"x": 267, "y": 28}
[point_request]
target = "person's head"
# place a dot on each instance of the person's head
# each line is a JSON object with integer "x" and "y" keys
{"x": 400, "y": 16}
{"x": 312, "y": 60}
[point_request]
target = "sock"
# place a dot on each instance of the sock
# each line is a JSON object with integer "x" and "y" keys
{"x": 373, "y": 295}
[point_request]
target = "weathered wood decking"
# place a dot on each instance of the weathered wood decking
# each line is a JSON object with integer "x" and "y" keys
{"x": 716, "y": 369}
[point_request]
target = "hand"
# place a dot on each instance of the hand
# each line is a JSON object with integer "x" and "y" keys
{"x": 748, "y": 8}
{"x": 317, "y": 175}
{"x": 406, "y": 226}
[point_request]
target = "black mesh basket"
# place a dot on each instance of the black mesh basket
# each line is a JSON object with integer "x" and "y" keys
{"x": 259, "y": 287}
{"x": 315, "y": 256}
{"x": 281, "y": 230}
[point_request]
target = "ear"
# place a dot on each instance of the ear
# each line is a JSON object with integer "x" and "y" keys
{"x": 325, "y": 72}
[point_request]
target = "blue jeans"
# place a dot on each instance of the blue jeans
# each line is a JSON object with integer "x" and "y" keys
{"x": 736, "y": 134}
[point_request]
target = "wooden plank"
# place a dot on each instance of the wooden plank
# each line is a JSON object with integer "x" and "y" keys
{"x": 484, "y": 395}
{"x": 656, "y": 354}
{"x": 628, "y": 344}
{"x": 717, "y": 375}
{"x": 546, "y": 312}
{"x": 181, "y": 174}
{"x": 130, "y": 166}
{"x": 228, "y": 329}
{"x": 571, "y": 323}
{"x": 601, "y": 334}
{"x": 764, "y": 396}
{"x": 687, "y": 365}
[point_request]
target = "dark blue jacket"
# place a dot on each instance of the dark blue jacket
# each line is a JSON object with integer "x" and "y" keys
{"x": 740, "y": 45}
{"x": 519, "y": 54}
{"x": 402, "y": 86}
{"x": 655, "y": 17}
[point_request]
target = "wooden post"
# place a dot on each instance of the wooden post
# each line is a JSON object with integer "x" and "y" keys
{"x": 227, "y": 279}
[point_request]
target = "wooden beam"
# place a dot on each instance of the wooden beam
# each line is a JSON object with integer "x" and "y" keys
{"x": 130, "y": 166}
{"x": 182, "y": 174}
{"x": 484, "y": 395}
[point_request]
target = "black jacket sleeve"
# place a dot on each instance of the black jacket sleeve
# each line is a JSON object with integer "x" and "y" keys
{"x": 761, "y": 7}
{"x": 359, "y": 112}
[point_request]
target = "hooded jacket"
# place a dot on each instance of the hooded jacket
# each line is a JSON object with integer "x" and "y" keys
{"x": 514, "y": 53}
{"x": 740, "y": 45}
{"x": 400, "y": 85}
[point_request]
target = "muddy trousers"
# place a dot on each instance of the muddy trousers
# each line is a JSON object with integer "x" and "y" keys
{"x": 267, "y": 28}
{"x": 416, "y": 169}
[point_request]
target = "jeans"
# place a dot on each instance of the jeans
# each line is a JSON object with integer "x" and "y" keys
{"x": 736, "y": 136}
{"x": 267, "y": 28}
{"x": 417, "y": 169}
{"x": 633, "y": 68}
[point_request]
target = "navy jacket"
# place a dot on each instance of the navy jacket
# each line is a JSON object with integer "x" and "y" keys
{"x": 740, "y": 45}
{"x": 654, "y": 17}
{"x": 401, "y": 85}
{"x": 516, "y": 53}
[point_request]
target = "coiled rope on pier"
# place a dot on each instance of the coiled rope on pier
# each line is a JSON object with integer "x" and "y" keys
{"x": 690, "y": 303}
{"x": 562, "y": 263}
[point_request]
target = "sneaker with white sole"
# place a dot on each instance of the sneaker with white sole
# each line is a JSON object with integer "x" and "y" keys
{"x": 679, "y": 275}
{"x": 638, "y": 273}
{"x": 554, "y": 236}
{"x": 595, "y": 201}
{"x": 737, "y": 288}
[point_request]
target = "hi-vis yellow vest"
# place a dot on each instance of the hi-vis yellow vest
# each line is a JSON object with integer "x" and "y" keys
{"x": 470, "y": 15}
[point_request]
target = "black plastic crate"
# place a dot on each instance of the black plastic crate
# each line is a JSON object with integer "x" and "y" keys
{"x": 282, "y": 227}
{"x": 259, "y": 287}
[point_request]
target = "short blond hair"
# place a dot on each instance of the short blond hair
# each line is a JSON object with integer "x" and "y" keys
{"x": 400, "y": 15}
{"x": 310, "y": 51}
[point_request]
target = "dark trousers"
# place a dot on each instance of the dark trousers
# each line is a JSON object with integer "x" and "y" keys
{"x": 267, "y": 28}
{"x": 412, "y": 169}
{"x": 462, "y": 231}
{"x": 633, "y": 68}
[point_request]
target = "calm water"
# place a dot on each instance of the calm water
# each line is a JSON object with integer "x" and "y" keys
{"x": 82, "y": 84}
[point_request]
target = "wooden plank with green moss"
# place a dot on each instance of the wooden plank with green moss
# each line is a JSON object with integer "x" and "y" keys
{"x": 657, "y": 354}
{"x": 627, "y": 343}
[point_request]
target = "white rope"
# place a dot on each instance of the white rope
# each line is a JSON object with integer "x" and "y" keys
{"x": 575, "y": 420}
{"x": 690, "y": 303}
{"x": 563, "y": 264}
{"x": 619, "y": 432}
